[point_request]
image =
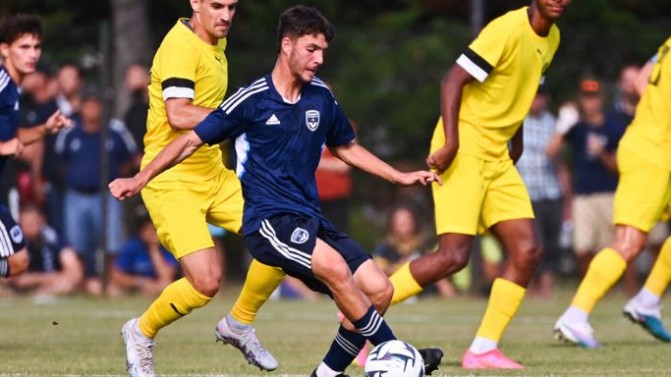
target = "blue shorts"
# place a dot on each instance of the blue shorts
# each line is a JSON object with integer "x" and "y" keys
{"x": 11, "y": 236}
{"x": 287, "y": 241}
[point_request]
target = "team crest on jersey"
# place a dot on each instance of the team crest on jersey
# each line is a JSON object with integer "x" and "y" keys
{"x": 300, "y": 236}
{"x": 312, "y": 119}
{"x": 16, "y": 234}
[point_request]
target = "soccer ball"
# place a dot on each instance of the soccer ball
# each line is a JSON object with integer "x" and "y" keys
{"x": 394, "y": 358}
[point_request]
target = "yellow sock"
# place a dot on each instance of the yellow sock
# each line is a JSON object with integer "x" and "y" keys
{"x": 405, "y": 286}
{"x": 604, "y": 271}
{"x": 660, "y": 275}
{"x": 504, "y": 301}
{"x": 261, "y": 282}
{"x": 177, "y": 300}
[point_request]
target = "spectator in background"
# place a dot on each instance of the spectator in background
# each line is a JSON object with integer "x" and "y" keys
{"x": 70, "y": 83}
{"x": 42, "y": 182}
{"x": 54, "y": 268}
{"x": 627, "y": 95}
{"x": 334, "y": 185}
{"x": 546, "y": 182}
{"x": 593, "y": 140}
{"x": 80, "y": 152}
{"x": 143, "y": 265}
{"x": 135, "y": 118}
{"x": 137, "y": 82}
{"x": 405, "y": 241}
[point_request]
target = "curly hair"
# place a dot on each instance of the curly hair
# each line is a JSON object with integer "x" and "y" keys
{"x": 19, "y": 25}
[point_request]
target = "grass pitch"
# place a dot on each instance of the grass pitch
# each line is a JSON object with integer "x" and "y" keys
{"x": 79, "y": 336}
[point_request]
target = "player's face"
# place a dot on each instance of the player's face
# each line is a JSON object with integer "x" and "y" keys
{"x": 552, "y": 9}
{"x": 23, "y": 54}
{"x": 216, "y": 16}
{"x": 306, "y": 55}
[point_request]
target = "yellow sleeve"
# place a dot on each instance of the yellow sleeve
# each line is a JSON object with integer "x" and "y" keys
{"x": 177, "y": 65}
{"x": 485, "y": 52}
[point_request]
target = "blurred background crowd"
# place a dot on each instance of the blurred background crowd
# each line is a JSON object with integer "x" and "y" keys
{"x": 384, "y": 66}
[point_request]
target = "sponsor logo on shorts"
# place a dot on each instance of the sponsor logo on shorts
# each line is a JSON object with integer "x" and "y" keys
{"x": 300, "y": 236}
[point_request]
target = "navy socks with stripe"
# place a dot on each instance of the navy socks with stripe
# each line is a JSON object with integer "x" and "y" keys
{"x": 347, "y": 344}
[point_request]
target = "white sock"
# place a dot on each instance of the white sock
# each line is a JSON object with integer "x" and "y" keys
{"x": 138, "y": 332}
{"x": 236, "y": 325}
{"x": 482, "y": 345}
{"x": 323, "y": 370}
{"x": 647, "y": 299}
{"x": 574, "y": 314}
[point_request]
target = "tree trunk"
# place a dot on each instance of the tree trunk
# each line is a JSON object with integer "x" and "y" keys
{"x": 131, "y": 45}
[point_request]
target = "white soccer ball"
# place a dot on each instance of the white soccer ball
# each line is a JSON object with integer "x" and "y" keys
{"x": 394, "y": 358}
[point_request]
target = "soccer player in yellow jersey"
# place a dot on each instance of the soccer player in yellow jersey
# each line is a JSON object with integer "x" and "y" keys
{"x": 189, "y": 78}
{"x": 484, "y": 99}
{"x": 641, "y": 199}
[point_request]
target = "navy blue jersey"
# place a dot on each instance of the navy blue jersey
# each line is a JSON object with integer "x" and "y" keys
{"x": 278, "y": 145}
{"x": 9, "y": 110}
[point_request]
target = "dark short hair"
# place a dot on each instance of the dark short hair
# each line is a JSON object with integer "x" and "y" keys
{"x": 17, "y": 26}
{"x": 301, "y": 20}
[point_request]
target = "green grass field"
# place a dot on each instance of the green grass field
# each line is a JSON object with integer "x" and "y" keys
{"x": 80, "y": 337}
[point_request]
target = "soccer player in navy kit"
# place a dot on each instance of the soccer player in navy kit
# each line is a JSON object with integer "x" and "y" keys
{"x": 20, "y": 49}
{"x": 280, "y": 123}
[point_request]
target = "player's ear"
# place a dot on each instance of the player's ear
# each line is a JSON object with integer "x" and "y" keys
{"x": 4, "y": 49}
{"x": 195, "y": 5}
{"x": 287, "y": 45}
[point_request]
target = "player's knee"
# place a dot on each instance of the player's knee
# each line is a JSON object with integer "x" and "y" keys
{"x": 454, "y": 260}
{"x": 207, "y": 285}
{"x": 335, "y": 275}
{"x": 530, "y": 253}
{"x": 18, "y": 262}
{"x": 381, "y": 296}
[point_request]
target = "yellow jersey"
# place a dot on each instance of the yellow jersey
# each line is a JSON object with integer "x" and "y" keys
{"x": 508, "y": 60}
{"x": 649, "y": 134}
{"x": 185, "y": 66}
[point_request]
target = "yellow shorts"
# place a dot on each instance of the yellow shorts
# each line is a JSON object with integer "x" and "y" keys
{"x": 477, "y": 194}
{"x": 181, "y": 210}
{"x": 643, "y": 191}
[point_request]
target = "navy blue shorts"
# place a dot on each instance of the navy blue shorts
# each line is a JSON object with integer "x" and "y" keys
{"x": 11, "y": 236}
{"x": 287, "y": 241}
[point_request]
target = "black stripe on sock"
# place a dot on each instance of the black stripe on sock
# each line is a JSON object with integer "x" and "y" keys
{"x": 175, "y": 309}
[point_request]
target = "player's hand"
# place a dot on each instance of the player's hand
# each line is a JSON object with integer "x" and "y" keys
{"x": 417, "y": 177}
{"x": 56, "y": 122}
{"x": 11, "y": 147}
{"x": 122, "y": 188}
{"x": 441, "y": 159}
{"x": 567, "y": 117}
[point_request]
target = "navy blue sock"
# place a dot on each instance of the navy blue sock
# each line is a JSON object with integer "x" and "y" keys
{"x": 344, "y": 349}
{"x": 373, "y": 327}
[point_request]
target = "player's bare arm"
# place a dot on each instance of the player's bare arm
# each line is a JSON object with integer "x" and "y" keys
{"x": 183, "y": 114}
{"x": 355, "y": 155}
{"x": 54, "y": 123}
{"x": 11, "y": 147}
{"x": 450, "y": 93}
{"x": 174, "y": 153}
{"x": 517, "y": 145}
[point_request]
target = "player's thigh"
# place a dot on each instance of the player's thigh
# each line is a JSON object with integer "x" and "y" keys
{"x": 458, "y": 202}
{"x": 178, "y": 213}
{"x": 288, "y": 242}
{"x": 643, "y": 191}
{"x": 227, "y": 203}
{"x": 506, "y": 197}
